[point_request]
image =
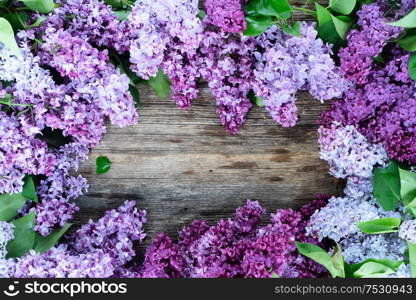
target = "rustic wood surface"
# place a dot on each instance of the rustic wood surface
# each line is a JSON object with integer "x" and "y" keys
{"x": 181, "y": 165}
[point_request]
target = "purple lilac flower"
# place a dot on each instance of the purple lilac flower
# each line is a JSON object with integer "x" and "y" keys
{"x": 58, "y": 189}
{"x": 348, "y": 152}
{"x": 6, "y": 235}
{"x": 227, "y": 14}
{"x": 287, "y": 64}
{"x": 163, "y": 259}
{"x": 154, "y": 24}
{"x": 114, "y": 233}
{"x": 180, "y": 62}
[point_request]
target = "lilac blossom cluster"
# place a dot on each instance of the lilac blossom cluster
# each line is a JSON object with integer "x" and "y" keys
{"x": 348, "y": 152}
{"x": 97, "y": 250}
{"x": 62, "y": 83}
{"x": 6, "y": 235}
{"x": 352, "y": 157}
{"x": 287, "y": 64}
{"x": 155, "y": 26}
{"x": 227, "y": 14}
{"x": 381, "y": 100}
{"x": 237, "y": 247}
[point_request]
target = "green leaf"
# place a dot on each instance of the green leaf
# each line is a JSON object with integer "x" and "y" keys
{"x": 334, "y": 264}
{"x": 344, "y": 7}
{"x": 256, "y": 25}
{"x": 386, "y": 187}
{"x": 271, "y": 8}
{"x": 412, "y": 207}
{"x": 7, "y": 37}
{"x": 374, "y": 268}
{"x": 29, "y": 189}
{"x": 9, "y": 205}
{"x": 293, "y": 30}
{"x": 42, "y": 6}
{"x": 408, "y": 21}
{"x": 160, "y": 84}
{"x": 103, "y": 165}
{"x": 408, "y": 43}
{"x": 24, "y": 236}
{"x": 384, "y": 225}
{"x": 275, "y": 275}
{"x": 412, "y": 66}
{"x": 43, "y": 244}
{"x": 412, "y": 258}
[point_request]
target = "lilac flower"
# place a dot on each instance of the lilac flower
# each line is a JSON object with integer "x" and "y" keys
{"x": 381, "y": 102}
{"x": 97, "y": 250}
{"x": 6, "y": 235}
{"x": 366, "y": 43}
{"x": 153, "y": 24}
{"x": 226, "y": 64}
{"x": 228, "y": 15}
{"x": 408, "y": 231}
{"x": 163, "y": 259}
{"x": 114, "y": 233}
{"x": 359, "y": 247}
{"x": 237, "y": 247}
{"x": 348, "y": 152}
{"x": 337, "y": 220}
{"x": 286, "y": 64}
{"x": 93, "y": 77}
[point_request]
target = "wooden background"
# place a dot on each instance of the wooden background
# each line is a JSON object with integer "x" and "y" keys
{"x": 181, "y": 165}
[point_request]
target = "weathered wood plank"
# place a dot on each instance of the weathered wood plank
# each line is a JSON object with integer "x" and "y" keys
{"x": 181, "y": 165}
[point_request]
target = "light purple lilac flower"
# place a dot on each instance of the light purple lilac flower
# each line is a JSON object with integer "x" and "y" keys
{"x": 287, "y": 64}
{"x": 348, "y": 152}
{"x": 381, "y": 101}
{"x": 227, "y": 14}
{"x": 237, "y": 247}
{"x": 154, "y": 24}
{"x": 97, "y": 250}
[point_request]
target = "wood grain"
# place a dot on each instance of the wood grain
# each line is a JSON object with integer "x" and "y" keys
{"x": 181, "y": 165}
